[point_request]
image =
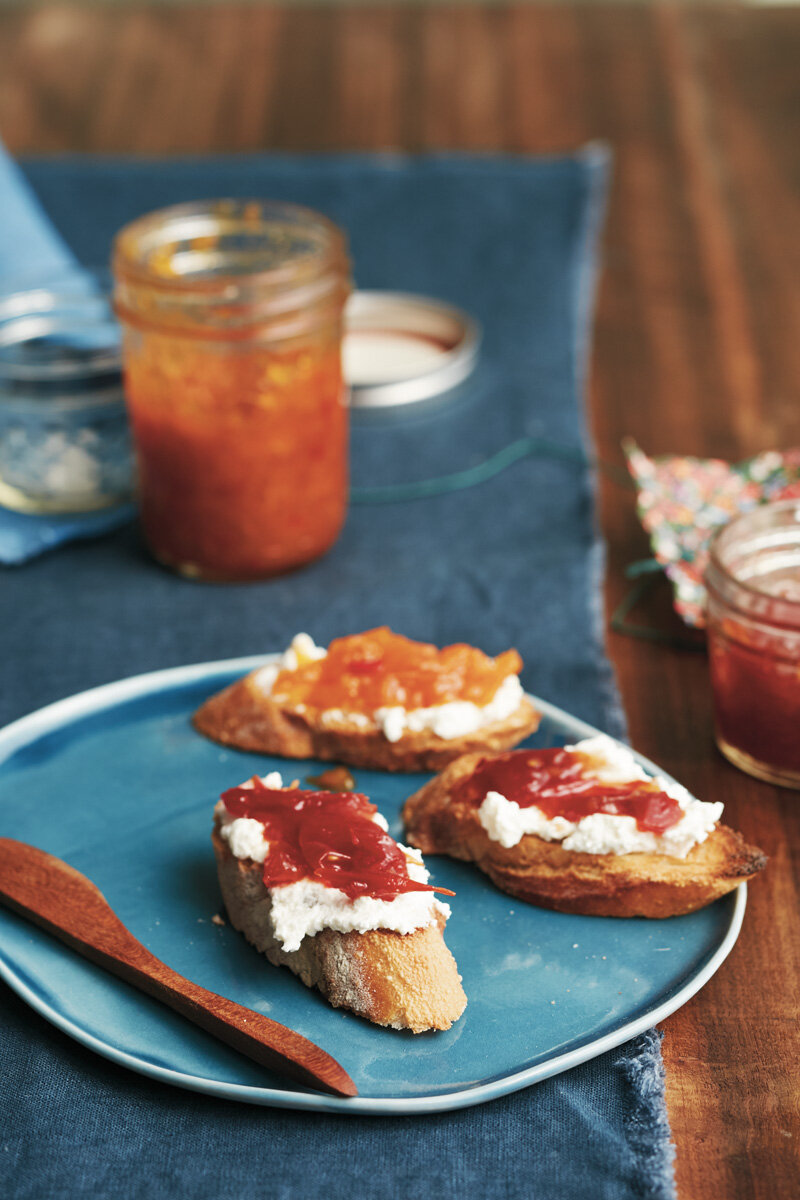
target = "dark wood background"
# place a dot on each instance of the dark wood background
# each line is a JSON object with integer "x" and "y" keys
{"x": 697, "y": 343}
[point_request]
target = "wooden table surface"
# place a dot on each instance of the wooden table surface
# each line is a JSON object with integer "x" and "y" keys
{"x": 697, "y": 344}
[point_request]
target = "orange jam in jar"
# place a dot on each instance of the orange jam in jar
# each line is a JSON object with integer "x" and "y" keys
{"x": 753, "y": 581}
{"x": 232, "y": 324}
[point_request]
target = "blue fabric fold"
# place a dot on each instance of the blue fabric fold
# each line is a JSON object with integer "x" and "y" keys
{"x": 96, "y": 1129}
{"x": 25, "y": 536}
{"x": 514, "y": 560}
{"x": 30, "y": 245}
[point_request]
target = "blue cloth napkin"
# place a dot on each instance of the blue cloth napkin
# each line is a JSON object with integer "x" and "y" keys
{"x": 30, "y": 245}
{"x": 24, "y": 536}
{"x": 512, "y": 561}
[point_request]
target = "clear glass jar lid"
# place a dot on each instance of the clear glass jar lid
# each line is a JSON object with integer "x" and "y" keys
{"x": 59, "y": 340}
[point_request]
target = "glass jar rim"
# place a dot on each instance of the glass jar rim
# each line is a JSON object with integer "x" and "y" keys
{"x": 720, "y": 578}
{"x": 68, "y": 310}
{"x": 222, "y": 269}
{"x": 193, "y": 218}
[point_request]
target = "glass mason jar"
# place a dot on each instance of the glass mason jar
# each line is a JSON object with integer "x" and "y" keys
{"x": 232, "y": 326}
{"x": 64, "y": 443}
{"x": 753, "y": 581}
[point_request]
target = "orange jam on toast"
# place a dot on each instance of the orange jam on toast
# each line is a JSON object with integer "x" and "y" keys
{"x": 381, "y": 669}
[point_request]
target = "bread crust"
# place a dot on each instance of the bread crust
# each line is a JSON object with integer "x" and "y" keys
{"x": 545, "y": 874}
{"x": 406, "y": 981}
{"x": 244, "y": 716}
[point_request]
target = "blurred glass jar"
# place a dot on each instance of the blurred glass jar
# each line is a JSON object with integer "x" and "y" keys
{"x": 64, "y": 442}
{"x": 753, "y": 581}
{"x": 232, "y": 327}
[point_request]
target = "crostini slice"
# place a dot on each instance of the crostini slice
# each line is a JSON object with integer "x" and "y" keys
{"x": 374, "y": 700}
{"x": 581, "y": 829}
{"x": 314, "y": 881}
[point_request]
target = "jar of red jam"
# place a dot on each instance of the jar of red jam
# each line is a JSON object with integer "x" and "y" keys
{"x": 232, "y": 327}
{"x": 753, "y": 581}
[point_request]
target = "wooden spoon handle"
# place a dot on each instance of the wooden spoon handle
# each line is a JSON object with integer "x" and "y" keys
{"x": 59, "y": 899}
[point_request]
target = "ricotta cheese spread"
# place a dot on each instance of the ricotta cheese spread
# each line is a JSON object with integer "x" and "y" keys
{"x": 304, "y": 908}
{"x": 455, "y": 719}
{"x": 302, "y": 650}
{"x": 603, "y": 833}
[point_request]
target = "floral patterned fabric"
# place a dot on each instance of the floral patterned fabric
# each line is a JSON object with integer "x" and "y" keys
{"x": 682, "y": 501}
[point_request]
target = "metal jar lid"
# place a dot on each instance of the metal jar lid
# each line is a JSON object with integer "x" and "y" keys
{"x": 400, "y": 348}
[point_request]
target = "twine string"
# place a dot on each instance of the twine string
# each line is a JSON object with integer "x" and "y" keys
{"x": 644, "y": 572}
{"x": 457, "y": 481}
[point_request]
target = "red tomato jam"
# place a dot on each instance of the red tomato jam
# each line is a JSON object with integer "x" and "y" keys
{"x": 381, "y": 669}
{"x": 561, "y": 783}
{"x": 328, "y": 837}
{"x": 753, "y": 619}
{"x": 755, "y": 675}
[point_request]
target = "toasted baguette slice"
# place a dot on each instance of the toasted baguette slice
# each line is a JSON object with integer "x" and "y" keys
{"x": 544, "y": 873}
{"x": 244, "y": 716}
{"x": 406, "y": 981}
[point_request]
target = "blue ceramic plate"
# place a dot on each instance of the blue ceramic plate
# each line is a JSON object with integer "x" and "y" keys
{"x": 116, "y": 782}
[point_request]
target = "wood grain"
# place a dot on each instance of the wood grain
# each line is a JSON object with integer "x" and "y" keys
{"x": 697, "y": 341}
{"x": 56, "y": 897}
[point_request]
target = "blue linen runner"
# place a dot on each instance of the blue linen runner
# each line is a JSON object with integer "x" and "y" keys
{"x": 513, "y": 561}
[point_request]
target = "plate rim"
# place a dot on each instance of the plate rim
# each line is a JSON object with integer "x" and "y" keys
{"x": 81, "y": 704}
